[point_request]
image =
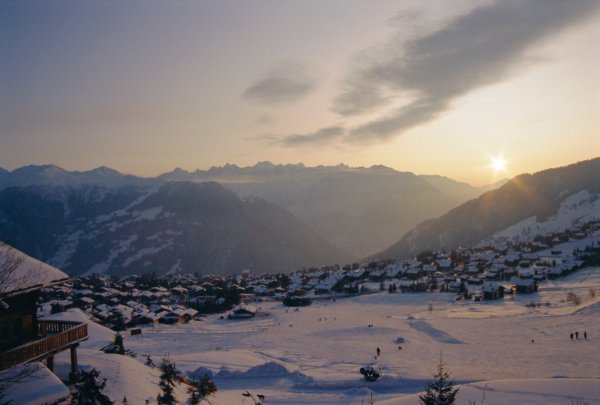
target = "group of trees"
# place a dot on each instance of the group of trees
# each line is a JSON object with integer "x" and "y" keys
{"x": 199, "y": 390}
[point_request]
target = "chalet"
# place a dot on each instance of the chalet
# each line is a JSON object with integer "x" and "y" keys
{"x": 84, "y": 302}
{"x": 475, "y": 280}
{"x": 296, "y": 301}
{"x": 406, "y": 285}
{"x": 242, "y": 312}
{"x": 445, "y": 264}
{"x": 455, "y": 286}
{"x": 525, "y": 286}
{"x": 177, "y": 315}
{"x": 413, "y": 273}
{"x": 555, "y": 272}
{"x": 492, "y": 291}
{"x": 24, "y": 337}
{"x": 146, "y": 318}
{"x": 394, "y": 271}
{"x": 509, "y": 272}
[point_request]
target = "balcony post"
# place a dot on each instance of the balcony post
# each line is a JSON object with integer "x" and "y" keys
{"x": 50, "y": 363}
{"x": 74, "y": 366}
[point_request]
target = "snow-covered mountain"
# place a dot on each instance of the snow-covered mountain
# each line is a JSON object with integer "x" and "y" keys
{"x": 555, "y": 197}
{"x": 576, "y": 210}
{"x": 52, "y": 175}
{"x": 362, "y": 210}
{"x": 177, "y": 227}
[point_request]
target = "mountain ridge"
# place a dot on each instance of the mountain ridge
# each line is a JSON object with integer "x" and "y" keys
{"x": 177, "y": 227}
{"x": 358, "y": 209}
{"x": 526, "y": 195}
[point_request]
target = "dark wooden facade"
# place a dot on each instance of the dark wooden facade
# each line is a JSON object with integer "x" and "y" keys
{"x": 54, "y": 337}
{"x": 18, "y": 322}
{"x": 24, "y": 338}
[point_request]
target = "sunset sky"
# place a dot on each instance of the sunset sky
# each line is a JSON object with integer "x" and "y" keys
{"x": 424, "y": 86}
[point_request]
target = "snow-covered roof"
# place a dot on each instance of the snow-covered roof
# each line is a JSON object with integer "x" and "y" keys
{"x": 30, "y": 273}
{"x": 245, "y": 307}
{"x": 37, "y": 385}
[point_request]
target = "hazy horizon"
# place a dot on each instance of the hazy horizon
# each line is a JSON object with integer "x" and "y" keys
{"x": 475, "y": 91}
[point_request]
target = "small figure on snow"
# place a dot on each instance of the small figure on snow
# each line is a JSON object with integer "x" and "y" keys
{"x": 585, "y": 335}
{"x": 577, "y": 335}
{"x": 378, "y": 352}
{"x": 119, "y": 346}
{"x": 571, "y": 335}
{"x": 369, "y": 373}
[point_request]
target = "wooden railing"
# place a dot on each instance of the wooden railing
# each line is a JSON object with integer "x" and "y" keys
{"x": 57, "y": 336}
{"x": 46, "y": 328}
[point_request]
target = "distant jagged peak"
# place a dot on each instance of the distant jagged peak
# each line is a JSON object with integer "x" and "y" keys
{"x": 265, "y": 164}
{"x": 52, "y": 175}
{"x": 46, "y": 169}
{"x": 103, "y": 171}
{"x": 385, "y": 169}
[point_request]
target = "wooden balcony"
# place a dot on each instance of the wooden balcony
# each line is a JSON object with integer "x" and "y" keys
{"x": 55, "y": 336}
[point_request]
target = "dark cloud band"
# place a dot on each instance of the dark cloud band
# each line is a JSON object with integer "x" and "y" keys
{"x": 474, "y": 50}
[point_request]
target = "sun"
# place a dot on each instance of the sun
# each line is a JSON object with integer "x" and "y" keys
{"x": 498, "y": 164}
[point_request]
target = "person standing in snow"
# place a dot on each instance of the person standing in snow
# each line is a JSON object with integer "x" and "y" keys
{"x": 585, "y": 335}
{"x": 571, "y": 335}
{"x": 378, "y": 352}
{"x": 577, "y": 335}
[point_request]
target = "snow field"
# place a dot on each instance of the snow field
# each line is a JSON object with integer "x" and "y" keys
{"x": 506, "y": 350}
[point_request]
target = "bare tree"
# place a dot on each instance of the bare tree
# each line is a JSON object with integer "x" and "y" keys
{"x": 14, "y": 376}
{"x": 10, "y": 279}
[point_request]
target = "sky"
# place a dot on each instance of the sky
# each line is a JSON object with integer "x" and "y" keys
{"x": 423, "y": 86}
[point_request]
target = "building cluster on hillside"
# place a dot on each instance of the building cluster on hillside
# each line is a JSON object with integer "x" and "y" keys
{"x": 481, "y": 273}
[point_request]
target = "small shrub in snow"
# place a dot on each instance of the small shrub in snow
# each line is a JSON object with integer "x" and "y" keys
{"x": 573, "y": 298}
{"x": 149, "y": 362}
{"x": 441, "y": 390}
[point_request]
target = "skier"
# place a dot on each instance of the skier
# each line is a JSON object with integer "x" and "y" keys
{"x": 585, "y": 335}
{"x": 378, "y": 352}
{"x": 577, "y": 335}
{"x": 571, "y": 335}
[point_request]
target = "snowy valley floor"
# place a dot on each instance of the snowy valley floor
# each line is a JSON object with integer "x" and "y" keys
{"x": 499, "y": 352}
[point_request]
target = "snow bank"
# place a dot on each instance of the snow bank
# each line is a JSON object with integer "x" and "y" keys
{"x": 268, "y": 370}
{"x": 35, "y": 385}
{"x": 125, "y": 376}
{"x": 548, "y": 391}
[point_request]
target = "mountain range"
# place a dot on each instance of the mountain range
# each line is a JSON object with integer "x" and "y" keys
{"x": 359, "y": 210}
{"x": 538, "y": 196}
{"x": 267, "y": 218}
{"x": 176, "y": 227}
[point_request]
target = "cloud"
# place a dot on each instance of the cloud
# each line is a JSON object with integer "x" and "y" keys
{"x": 418, "y": 112}
{"x": 265, "y": 119}
{"x": 322, "y": 136}
{"x": 480, "y": 48}
{"x": 283, "y": 84}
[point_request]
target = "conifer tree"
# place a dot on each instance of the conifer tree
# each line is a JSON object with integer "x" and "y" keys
{"x": 200, "y": 390}
{"x": 89, "y": 389}
{"x": 441, "y": 390}
{"x": 167, "y": 382}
